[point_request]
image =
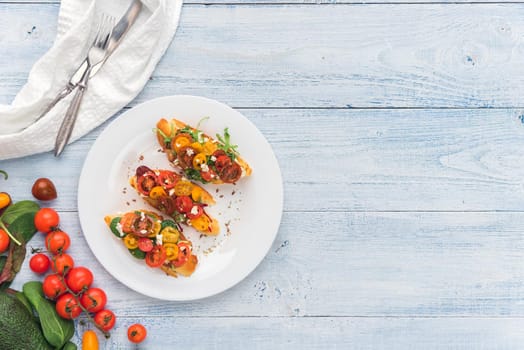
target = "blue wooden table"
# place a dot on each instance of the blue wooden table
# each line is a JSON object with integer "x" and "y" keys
{"x": 399, "y": 129}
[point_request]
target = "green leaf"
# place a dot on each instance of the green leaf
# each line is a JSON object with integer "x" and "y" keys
{"x": 194, "y": 175}
{"x": 137, "y": 253}
{"x": 14, "y": 261}
{"x": 18, "y": 209}
{"x": 167, "y": 223}
{"x": 24, "y": 226}
{"x": 113, "y": 225}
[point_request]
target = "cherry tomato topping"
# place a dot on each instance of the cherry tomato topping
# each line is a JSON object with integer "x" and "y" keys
{"x": 146, "y": 182}
{"x": 208, "y": 175}
{"x": 222, "y": 162}
{"x": 46, "y": 220}
{"x": 231, "y": 173}
{"x": 4, "y": 241}
{"x": 105, "y": 319}
{"x": 209, "y": 147}
{"x": 185, "y": 157}
{"x": 79, "y": 279}
{"x": 142, "y": 225}
{"x": 141, "y": 170}
{"x": 157, "y": 192}
{"x": 201, "y": 223}
{"x": 67, "y": 307}
{"x": 94, "y": 299}
{"x": 198, "y": 160}
{"x": 57, "y": 242}
{"x": 195, "y": 212}
{"x": 145, "y": 244}
{"x": 166, "y": 205}
{"x": 182, "y": 140}
{"x": 136, "y": 333}
{"x": 156, "y": 257}
{"x": 131, "y": 241}
{"x": 53, "y": 286}
{"x": 183, "y": 188}
{"x": 168, "y": 179}
{"x": 62, "y": 263}
{"x": 127, "y": 221}
{"x": 44, "y": 189}
{"x": 171, "y": 251}
{"x": 39, "y": 263}
{"x": 219, "y": 153}
{"x": 184, "y": 252}
{"x": 183, "y": 204}
{"x": 170, "y": 235}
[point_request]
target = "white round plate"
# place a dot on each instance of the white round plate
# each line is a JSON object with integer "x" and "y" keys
{"x": 249, "y": 212}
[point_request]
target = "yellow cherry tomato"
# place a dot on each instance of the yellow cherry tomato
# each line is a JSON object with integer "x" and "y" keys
{"x": 181, "y": 140}
{"x": 198, "y": 160}
{"x": 5, "y": 200}
{"x": 201, "y": 223}
{"x": 170, "y": 235}
{"x": 157, "y": 225}
{"x": 157, "y": 192}
{"x": 183, "y": 188}
{"x": 89, "y": 340}
{"x": 196, "y": 193}
{"x": 197, "y": 146}
{"x": 209, "y": 147}
{"x": 131, "y": 241}
{"x": 171, "y": 250}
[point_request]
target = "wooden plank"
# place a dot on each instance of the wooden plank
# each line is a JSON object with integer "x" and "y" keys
{"x": 287, "y": 2}
{"x": 347, "y": 55}
{"x": 429, "y": 160}
{"x": 322, "y": 333}
{"x": 355, "y": 264}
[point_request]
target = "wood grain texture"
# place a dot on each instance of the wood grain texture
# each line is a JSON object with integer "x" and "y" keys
{"x": 325, "y": 333}
{"x": 359, "y": 160}
{"x": 347, "y": 55}
{"x": 366, "y": 264}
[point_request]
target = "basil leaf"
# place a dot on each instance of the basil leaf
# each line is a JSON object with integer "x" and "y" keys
{"x": 113, "y": 225}
{"x": 18, "y": 209}
{"x": 137, "y": 253}
{"x": 24, "y": 226}
{"x": 167, "y": 223}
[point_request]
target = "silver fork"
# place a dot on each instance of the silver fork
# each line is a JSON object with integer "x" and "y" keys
{"x": 97, "y": 53}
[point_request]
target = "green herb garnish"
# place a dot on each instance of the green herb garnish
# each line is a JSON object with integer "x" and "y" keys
{"x": 225, "y": 144}
{"x": 194, "y": 174}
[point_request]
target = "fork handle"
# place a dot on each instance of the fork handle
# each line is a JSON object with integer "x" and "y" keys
{"x": 66, "y": 128}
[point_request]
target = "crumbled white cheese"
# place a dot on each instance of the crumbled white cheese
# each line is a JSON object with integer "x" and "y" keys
{"x": 176, "y": 161}
{"x": 206, "y": 139}
{"x": 143, "y": 232}
{"x": 171, "y": 191}
{"x": 142, "y": 215}
{"x": 157, "y": 172}
{"x": 190, "y": 152}
{"x": 194, "y": 210}
{"x": 213, "y": 158}
{"x": 119, "y": 229}
{"x": 159, "y": 239}
{"x": 204, "y": 168}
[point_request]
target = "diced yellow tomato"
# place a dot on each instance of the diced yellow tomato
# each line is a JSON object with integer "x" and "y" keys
{"x": 198, "y": 160}
{"x": 171, "y": 250}
{"x": 183, "y": 188}
{"x": 197, "y": 146}
{"x": 209, "y": 147}
{"x": 131, "y": 241}
{"x": 201, "y": 223}
{"x": 157, "y": 192}
{"x": 181, "y": 140}
{"x": 170, "y": 235}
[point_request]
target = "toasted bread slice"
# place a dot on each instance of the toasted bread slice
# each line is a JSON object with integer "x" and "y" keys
{"x": 201, "y": 157}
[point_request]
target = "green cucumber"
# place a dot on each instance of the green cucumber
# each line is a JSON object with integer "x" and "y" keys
{"x": 113, "y": 225}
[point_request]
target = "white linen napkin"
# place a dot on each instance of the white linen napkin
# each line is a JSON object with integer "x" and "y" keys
{"x": 118, "y": 82}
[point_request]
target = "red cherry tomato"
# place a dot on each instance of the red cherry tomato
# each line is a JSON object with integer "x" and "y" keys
{"x": 105, "y": 319}
{"x": 146, "y": 182}
{"x": 4, "y": 241}
{"x": 94, "y": 299}
{"x": 39, "y": 263}
{"x": 136, "y": 333}
{"x": 208, "y": 175}
{"x": 57, "y": 242}
{"x": 46, "y": 220}
{"x": 222, "y": 162}
{"x": 44, "y": 189}
{"x": 183, "y": 204}
{"x": 62, "y": 263}
{"x": 79, "y": 279}
{"x": 184, "y": 252}
{"x": 145, "y": 244}
{"x": 156, "y": 257}
{"x": 167, "y": 179}
{"x": 53, "y": 286}
{"x": 195, "y": 212}
{"x": 67, "y": 307}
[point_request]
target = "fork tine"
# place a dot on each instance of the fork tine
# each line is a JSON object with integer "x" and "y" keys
{"x": 106, "y": 31}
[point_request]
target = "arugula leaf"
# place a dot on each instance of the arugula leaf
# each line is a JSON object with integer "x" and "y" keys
{"x": 18, "y": 209}
{"x": 194, "y": 174}
{"x": 225, "y": 144}
{"x": 195, "y": 133}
